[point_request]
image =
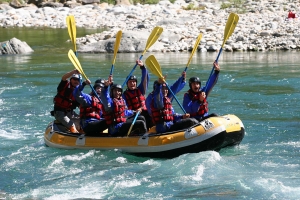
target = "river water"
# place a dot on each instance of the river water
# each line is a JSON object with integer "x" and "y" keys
{"x": 261, "y": 88}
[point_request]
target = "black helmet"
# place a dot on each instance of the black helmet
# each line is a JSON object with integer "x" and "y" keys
{"x": 114, "y": 86}
{"x": 99, "y": 82}
{"x": 132, "y": 78}
{"x": 193, "y": 80}
{"x": 154, "y": 84}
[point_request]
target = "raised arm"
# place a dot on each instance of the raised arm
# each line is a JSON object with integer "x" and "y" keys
{"x": 211, "y": 82}
{"x": 178, "y": 85}
{"x": 82, "y": 98}
{"x": 143, "y": 86}
{"x": 69, "y": 74}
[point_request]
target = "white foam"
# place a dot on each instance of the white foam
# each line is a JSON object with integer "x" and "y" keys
{"x": 121, "y": 160}
{"x": 270, "y": 184}
{"x": 12, "y": 134}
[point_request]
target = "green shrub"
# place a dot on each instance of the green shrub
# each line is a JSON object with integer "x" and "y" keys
{"x": 191, "y": 6}
{"x": 145, "y": 1}
{"x": 135, "y": 1}
{"x": 113, "y": 2}
{"x": 238, "y": 5}
{"x": 225, "y": 5}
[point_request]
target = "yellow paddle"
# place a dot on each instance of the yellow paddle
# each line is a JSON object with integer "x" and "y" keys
{"x": 229, "y": 28}
{"x": 190, "y": 59}
{"x": 194, "y": 50}
{"x": 77, "y": 65}
{"x": 155, "y": 68}
{"x": 116, "y": 47}
{"x": 156, "y": 32}
{"x": 72, "y": 30}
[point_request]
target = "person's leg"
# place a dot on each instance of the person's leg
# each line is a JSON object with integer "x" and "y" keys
{"x": 139, "y": 127}
{"x": 74, "y": 117}
{"x": 65, "y": 120}
{"x": 183, "y": 124}
{"x": 208, "y": 116}
{"x": 130, "y": 119}
{"x": 124, "y": 129}
{"x": 95, "y": 128}
{"x": 148, "y": 119}
{"x": 161, "y": 128}
{"x": 62, "y": 118}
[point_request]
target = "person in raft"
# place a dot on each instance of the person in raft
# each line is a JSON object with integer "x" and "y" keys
{"x": 64, "y": 101}
{"x": 91, "y": 118}
{"x": 176, "y": 87}
{"x": 195, "y": 99}
{"x": 116, "y": 112}
{"x": 135, "y": 95}
{"x": 163, "y": 115}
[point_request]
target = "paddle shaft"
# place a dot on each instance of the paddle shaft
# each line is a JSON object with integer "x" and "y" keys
{"x": 229, "y": 28}
{"x": 175, "y": 98}
{"x": 133, "y": 122}
{"x": 156, "y": 32}
{"x": 189, "y": 61}
{"x": 181, "y": 79}
{"x": 132, "y": 71}
{"x": 212, "y": 70}
{"x": 111, "y": 69}
{"x": 96, "y": 94}
{"x": 116, "y": 48}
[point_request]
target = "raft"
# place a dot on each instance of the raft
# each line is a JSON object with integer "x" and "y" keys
{"x": 212, "y": 133}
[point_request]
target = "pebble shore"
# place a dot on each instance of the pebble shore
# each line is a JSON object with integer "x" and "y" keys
{"x": 262, "y": 26}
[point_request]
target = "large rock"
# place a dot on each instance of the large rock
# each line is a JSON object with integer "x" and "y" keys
{"x": 14, "y": 46}
{"x": 131, "y": 42}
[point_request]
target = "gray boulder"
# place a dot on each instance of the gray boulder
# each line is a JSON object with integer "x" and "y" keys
{"x": 14, "y": 46}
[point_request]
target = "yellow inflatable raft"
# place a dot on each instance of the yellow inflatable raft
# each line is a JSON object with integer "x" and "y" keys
{"x": 212, "y": 133}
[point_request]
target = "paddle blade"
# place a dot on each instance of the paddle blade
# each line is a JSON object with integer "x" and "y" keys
{"x": 76, "y": 62}
{"x": 117, "y": 44}
{"x": 230, "y": 26}
{"x": 72, "y": 29}
{"x": 153, "y": 37}
{"x": 195, "y": 48}
{"x": 154, "y": 66}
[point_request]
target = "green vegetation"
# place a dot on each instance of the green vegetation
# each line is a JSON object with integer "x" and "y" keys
{"x": 145, "y": 1}
{"x": 3, "y": 1}
{"x": 114, "y": 1}
{"x": 191, "y": 6}
{"x": 133, "y": 1}
{"x": 238, "y": 5}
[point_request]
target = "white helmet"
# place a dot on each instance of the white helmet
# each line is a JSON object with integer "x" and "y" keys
{"x": 77, "y": 76}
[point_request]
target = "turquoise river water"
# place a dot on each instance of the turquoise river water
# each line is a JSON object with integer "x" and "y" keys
{"x": 261, "y": 88}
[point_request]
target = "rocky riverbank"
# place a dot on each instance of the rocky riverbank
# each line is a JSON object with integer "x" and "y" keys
{"x": 263, "y": 25}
